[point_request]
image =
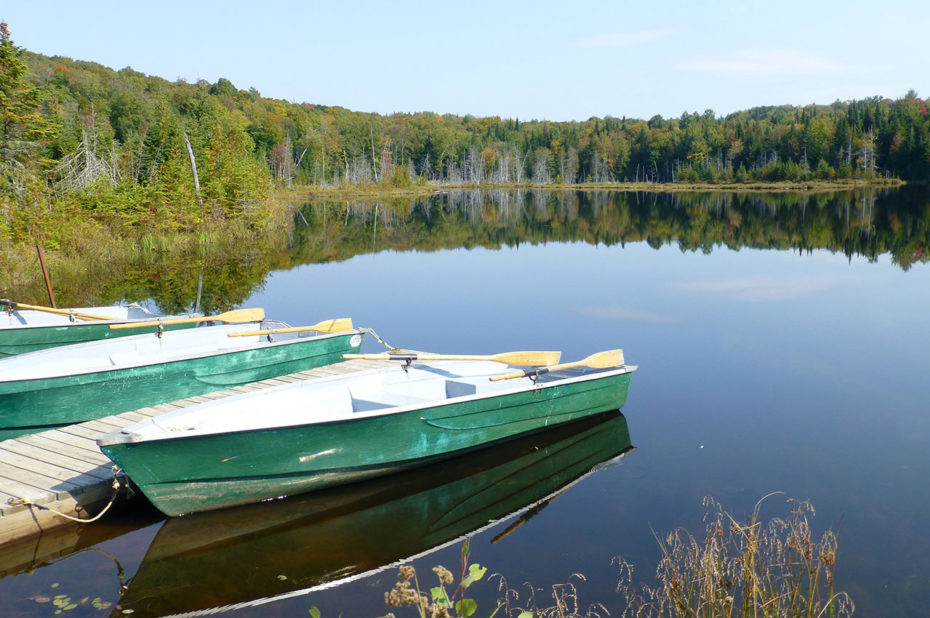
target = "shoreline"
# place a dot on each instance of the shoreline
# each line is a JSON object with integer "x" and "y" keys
{"x": 380, "y": 190}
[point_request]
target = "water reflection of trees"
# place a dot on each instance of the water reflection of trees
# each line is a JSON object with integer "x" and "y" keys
{"x": 866, "y": 224}
{"x": 852, "y": 223}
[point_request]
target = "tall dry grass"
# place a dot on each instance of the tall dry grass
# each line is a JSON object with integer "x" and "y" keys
{"x": 749, "y": 568}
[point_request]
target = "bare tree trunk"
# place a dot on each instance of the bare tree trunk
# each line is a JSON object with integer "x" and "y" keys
{"x": 190, "y": 153}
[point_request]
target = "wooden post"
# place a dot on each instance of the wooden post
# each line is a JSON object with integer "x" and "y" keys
{"x": 48, "y": 282}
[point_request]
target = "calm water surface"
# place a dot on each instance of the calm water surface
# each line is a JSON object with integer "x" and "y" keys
{"x": 761, "y": 369}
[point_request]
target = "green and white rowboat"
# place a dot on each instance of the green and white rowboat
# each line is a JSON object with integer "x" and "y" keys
{"x": 71, "y": 384}
{"x": 309, "y": 435}
{"x": 28, "y": 330}
{"x": 327, "y": 538}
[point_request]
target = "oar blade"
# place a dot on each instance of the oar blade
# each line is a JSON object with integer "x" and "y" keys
{"x": 603, "y": 360}
{"x": 332, "y": 326}
{"x": 256, "y": 314}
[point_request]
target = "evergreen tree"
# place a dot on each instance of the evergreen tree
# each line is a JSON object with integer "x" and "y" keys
{"x": 22, "y": 125}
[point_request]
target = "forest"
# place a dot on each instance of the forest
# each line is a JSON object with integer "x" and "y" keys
{"x": 85, "y": 146}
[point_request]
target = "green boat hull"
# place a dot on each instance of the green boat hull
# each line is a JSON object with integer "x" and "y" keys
{"x": 222, "y": 558}
{"x": 15, "y": 341}
{"x": 28, "y": 406}
{"x": 203, "y": 472}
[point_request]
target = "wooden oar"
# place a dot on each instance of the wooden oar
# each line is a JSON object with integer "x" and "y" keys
{"x": 509, "y": 358}
{"x": 326, "y": 326}
{"x": 68, "y": 312}
{"x": 601, "y": 360}
{"x": 236, "y": 315}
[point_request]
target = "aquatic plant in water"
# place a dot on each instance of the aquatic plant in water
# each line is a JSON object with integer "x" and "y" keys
{"x": 771, "y": 569}
{"x": 439, "y": 603}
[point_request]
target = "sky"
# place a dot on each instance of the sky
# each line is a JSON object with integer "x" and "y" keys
{"x": 527, "y": 60}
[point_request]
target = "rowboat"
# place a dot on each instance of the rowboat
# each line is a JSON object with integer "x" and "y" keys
{"x": 27, "y": 330}
{"x": 311, "y": 435}
{"x": 71, "y": 384}
{"x": 327, "y": 538}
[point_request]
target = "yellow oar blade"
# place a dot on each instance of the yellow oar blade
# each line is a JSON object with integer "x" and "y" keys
{"x": 237, "y": 315}
{"x": 601, "y": 360}
{"x": 337, "y": 325}
{"x": 535, "y": 359}
{"x": 78, "y": 314}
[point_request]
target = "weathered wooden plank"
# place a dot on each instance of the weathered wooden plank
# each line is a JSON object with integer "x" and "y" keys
{"x": 21, "y": 488}
{"x": 36, "y": 479}
{"x": 147, "y": 412}
{"x": 82, "y": 431}
{"x": 135, "y": 417}
{"x": 106, "y": 425}
{"x": 289, "y": 379}
{"x": 50, "y": 470}
{"x": 41, "y": 440}
{"x": 101, "y": 471}
{"x": 89, "y": 447}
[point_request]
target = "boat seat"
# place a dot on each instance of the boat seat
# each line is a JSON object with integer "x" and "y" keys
{"x": 459, "y": 389}
{"x": 381, "y": 400}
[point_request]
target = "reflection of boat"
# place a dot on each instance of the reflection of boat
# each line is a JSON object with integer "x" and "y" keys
{"x": 310, "y": 435}
{"x": 85, "y": 381}
{"x": 289, "y": 547}
{"x": 26, "y": 330}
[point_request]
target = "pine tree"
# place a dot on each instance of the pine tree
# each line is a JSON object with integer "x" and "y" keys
{"x": 22, "y": 125}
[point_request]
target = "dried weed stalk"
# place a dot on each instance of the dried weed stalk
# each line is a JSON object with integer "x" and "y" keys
{"x": 742, "y": 569}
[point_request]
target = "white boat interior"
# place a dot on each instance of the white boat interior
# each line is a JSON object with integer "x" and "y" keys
{"x": 26, "y": 318}
{"x": 345, "y": 397}
{"x": 144, "y": 349}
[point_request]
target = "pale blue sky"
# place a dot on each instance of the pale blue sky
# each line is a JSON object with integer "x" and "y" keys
{"x": 559, "y": 61}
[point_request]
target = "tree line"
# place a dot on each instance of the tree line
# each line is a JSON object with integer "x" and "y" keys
{"x": 82, "y": 139}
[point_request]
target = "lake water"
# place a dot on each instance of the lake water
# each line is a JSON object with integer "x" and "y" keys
{"x": 782, "y": 342}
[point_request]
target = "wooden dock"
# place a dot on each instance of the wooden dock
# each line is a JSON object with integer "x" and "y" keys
{"x": 63, "y": 471}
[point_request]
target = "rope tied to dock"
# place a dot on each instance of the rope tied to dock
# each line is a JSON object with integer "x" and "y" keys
{"x": 116, "y": 485}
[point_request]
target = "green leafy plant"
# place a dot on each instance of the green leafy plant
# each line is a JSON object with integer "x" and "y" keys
{"x": 439, "y": 603}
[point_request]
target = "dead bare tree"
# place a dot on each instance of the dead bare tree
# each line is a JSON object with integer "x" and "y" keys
{"x": 83, "y": 168}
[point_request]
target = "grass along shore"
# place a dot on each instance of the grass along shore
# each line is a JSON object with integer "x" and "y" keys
{"x": 375, "y": 190}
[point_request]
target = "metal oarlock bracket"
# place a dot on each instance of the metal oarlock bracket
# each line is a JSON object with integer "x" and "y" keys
{"x": 71, "y": 314}
{"x": 159, "y": 330}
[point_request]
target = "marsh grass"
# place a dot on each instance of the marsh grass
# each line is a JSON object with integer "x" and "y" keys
{"x": 751, "y": 568}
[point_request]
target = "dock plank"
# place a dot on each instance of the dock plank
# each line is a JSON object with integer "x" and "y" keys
{"x": 82, "y": 432}
{"x": 50, "y": 470}
{"x": 65, "y": 462}
{"x": 36, "y": 478}
{"x": 70, "y": 444}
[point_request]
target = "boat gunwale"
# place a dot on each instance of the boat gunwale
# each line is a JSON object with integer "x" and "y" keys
{"x": 188, "y": 357}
